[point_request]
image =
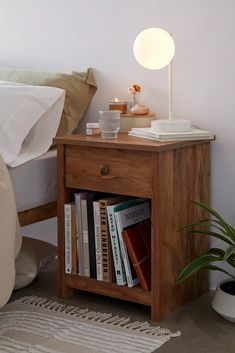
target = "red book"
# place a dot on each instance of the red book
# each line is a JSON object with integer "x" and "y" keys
{"x": 138, "y": 243}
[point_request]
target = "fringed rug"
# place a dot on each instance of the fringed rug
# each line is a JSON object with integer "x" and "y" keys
{"x": 38, "y": 325}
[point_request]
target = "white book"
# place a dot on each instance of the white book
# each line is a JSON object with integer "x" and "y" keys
{"x": 193, "y": 134}
{"x": 78, "y": 197}
{"x": 85, "y": 238}
{"x": 124, "y": 219}
{"x": 117, "y": 259}
{"x": 98, "y": 249}
{"x": 68, "y": 238}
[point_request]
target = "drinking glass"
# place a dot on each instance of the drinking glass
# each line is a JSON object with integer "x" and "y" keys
{"x": 109, "y": 122}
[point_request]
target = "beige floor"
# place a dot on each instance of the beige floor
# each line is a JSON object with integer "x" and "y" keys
{"x": 202, "y": 330}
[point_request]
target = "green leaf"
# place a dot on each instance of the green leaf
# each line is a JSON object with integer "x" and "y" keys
{"x": 222, "y": 230}
{"x": 217, "y": 251}
{"x": 231, "y": 261}
{"x": 229, "y": 252}
{"x": 213, "y": 234}
{"x": 207, "y": 220}
{"x": 230, "y": 230}
{"x": 227, "y": 238}
{"x": 199, "y": 263}
{"x": 219, "y": 229}
{"x": 216, "y": 268}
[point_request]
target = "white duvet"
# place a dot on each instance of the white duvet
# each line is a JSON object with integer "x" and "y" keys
{"x": 29, "y": 119}
{"x": 9, "y": 235}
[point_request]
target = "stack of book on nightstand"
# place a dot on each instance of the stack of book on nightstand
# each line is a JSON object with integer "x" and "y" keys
{"x": 193, "y": 134}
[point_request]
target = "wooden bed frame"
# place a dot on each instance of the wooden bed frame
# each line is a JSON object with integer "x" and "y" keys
{"x": 38, "y": 214}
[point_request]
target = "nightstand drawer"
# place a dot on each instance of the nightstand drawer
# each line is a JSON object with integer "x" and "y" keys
{"x": 115, "y": 171}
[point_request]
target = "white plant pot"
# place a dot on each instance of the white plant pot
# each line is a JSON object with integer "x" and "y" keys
{"x": 224, "y": 300}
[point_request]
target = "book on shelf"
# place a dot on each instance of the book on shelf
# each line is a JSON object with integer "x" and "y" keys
{"x": 86, "y": 258}
{"x": 126, "y": 216}
{"x": 117, "y": 259}
{"x": 116, "y": 250}
{"x": 79, "y": 196}
{"x": 193, "y": 134}
{"x": 138, "y": 242}
{"x": 74, "y": 269}
{"x": 91, "y": 197}
{"x": 71, "y": 253}
{"x": 108, "y": 271}
{"x": 97, "y": 232}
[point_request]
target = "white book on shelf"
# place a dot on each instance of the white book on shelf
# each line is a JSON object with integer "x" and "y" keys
{"x": 193, "y": 134}
{"x": 68, "y": 238}
{"x": 125, "y": 218}
{"x": 78, "y": 198}
{"x": 85, "y": 238}
{"x": 98, "y": 250}
{"x": 117, "y": 259}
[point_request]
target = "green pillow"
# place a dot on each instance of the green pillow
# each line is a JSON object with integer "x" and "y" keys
{"x": 79, "y": 86}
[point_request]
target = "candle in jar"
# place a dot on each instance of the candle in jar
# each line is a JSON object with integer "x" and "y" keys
{"x": 118, "y": 104}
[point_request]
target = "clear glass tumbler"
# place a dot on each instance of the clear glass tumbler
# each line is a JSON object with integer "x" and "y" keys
{"x": 109, "y": 122}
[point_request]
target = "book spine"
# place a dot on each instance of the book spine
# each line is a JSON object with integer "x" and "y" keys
{"x": 91, "y": 234}
{"x": 130, "y": 281}
{"x": 85, "y": 238}
{"x": 138, "y": 243}
{"x": 105, "y": 244}
{"x": 68, "y": 238}
{"x": 125, "y": 217}
{"x": 98, "y": 251}
{"x": 118, "y": 264}
{"x": 79, "y": 234}
{"x": 134, "y": 214}
{"x": 74, "y": 260}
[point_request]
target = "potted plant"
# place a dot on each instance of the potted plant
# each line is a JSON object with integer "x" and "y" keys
{"x": 224, "y": 299}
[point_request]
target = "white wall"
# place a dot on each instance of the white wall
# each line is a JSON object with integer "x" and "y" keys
{"x": 70, "y": 34}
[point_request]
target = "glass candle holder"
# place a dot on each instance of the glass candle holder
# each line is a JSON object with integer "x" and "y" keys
{"x": 118, "y": 104}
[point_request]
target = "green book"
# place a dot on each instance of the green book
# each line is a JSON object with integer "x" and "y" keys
{"x": 117, "y": 255}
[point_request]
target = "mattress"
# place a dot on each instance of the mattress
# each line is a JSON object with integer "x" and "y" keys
{"x": 34, "y": 182}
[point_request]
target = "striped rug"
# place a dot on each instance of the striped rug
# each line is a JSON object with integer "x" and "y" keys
{"x": 38, "y": 325}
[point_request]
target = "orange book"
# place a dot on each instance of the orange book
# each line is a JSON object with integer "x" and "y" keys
{"x": 138, "y": 243}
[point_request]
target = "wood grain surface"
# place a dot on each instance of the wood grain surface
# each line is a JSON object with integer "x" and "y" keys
{"x": 170, "y": 175}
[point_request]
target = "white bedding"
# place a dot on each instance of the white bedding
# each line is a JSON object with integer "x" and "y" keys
{"x": 29, "y": 119}
{"x": 9, "y": 235}
{"x": 34, "y": 182}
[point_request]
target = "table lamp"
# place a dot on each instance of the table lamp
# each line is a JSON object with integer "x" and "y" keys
{"x": 154, "y": 49}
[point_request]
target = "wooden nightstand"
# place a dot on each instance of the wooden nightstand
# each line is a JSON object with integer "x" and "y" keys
{"x": 170, "y": 175}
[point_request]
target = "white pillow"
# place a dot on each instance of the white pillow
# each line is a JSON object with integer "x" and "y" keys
{"x": 29, "y": 119}
{"x": 33, "y": 257}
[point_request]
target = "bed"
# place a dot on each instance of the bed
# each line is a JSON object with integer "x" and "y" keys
{"x": 34, "y": 179}
{"x": 35, "y": 201}
{"x": 34, "y": 107}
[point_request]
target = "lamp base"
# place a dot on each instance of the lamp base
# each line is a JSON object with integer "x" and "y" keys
{"x": 165, "y": 125}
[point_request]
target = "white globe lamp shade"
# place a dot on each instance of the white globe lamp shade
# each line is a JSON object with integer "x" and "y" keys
{"x": 154, "y": 48}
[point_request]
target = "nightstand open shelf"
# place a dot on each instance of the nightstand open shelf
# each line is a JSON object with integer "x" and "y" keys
{"x": 134, "y": 294}
{"x": 170, "y": 175}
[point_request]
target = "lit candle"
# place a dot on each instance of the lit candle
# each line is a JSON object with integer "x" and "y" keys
{"x": 118, "y": 104}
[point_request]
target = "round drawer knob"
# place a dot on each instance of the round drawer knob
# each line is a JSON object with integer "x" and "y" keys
{"x": 104, "y": 170}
